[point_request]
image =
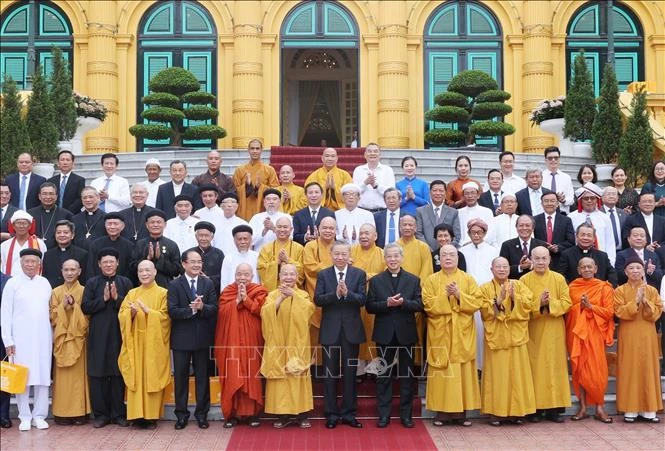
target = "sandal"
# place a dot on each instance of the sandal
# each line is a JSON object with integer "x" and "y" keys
{"x": 578, "y": 417}
{"x": 628, "y": 419}
{"x": 517, "y": 421}
{"x": 462, "y": 422}
{"x": 254, "y": 422}
{"x": 654, "y": 420}
{"x": 438, "y": 423}
{"x": 495, "y": 423}
{"x": 231, "y": 422}
{"x": 279, "y": 424}
{"x": 605, "y": 419}
{"x": 305, "y": 424}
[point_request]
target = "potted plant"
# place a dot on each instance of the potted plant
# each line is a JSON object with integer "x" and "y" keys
{"x": 175, "y": 96}
{"x": 607, "y": 127}
{"x": 14, "y": 138}
{"x": 470, "y": 104}
{"x": 548, "y": 115}
{"x": 61, "y": 96}
{"x": 41, "y": 125}
{"x": 90, "y": 114}
{"x": 580, "y": 108}
{"x": 636, "y": 146}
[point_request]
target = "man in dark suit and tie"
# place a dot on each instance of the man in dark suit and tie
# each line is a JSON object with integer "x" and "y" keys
{"x": 518, "y": 250}
{"x": 6, "y": 210}
{"x": 24, "y": 185}
{"x": 586, "y": 238}
{"x": 617, "y": 215}
{"x": 554, "y": 228}
{"x": 644, "y": 217}
{"x": 394, "y": 296}
{"x": 653, "y": 270}
{"x": 492, "y": 197}
{"x": 435, "y": 213}
{"x": 192, "y": 302}
{"x": 68, "y": 184}
{"x": 387, "y": 221}
{"x": 306, "y": 220}
{"x": 167, "y": 192}
{"x": 340, "y": 292}
{"x": 528, "y": 199}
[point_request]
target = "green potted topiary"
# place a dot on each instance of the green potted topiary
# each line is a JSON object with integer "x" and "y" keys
{"x": 41, "y": 124}
{"x": 472, "y": 100}
{"x": 607, "y": 126}
{"x": 175, "y": 96}
{"x": 580, "y": 108}
{"x": 636, "y": 146}
{"x": 14, "y": 139}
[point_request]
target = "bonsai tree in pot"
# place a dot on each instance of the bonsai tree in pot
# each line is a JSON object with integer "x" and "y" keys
{"x": 472, "y": 100}
{"x": 636, "y": 146}
{"x": 14, "y": 138}
{"x": 41, "y": 121}
{"x": 62, "y": 97}
{"x": 580, "y": 108}
{"x": 175, "y": 96}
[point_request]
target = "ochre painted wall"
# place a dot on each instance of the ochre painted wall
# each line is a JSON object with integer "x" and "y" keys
{"x": 391, "y": 77}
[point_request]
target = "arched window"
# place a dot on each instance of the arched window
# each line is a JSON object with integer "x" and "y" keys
{"x": 589, "y": 30}
{"x": 176, "y": 34}
{"x": 28, "y": 32}
{"x": 460, "y": 35}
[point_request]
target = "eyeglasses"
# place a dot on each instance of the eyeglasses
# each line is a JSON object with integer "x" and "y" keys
{"x": 588, "y": 198}
{"x": 552, "y": 158}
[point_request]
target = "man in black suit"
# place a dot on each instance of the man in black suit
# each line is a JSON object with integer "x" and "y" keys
{"x": 167, "y": 192}
{"x": 48, "y": 214}
{"x": 113, "y": 225}
{"x": 387, "y": 221}
{"x": 68, "y": 184}
{"x": 30, "y": 182}
{"x": 135, "y": 228}
{"x": 518, "y": 250}
{"x": 340, "y": 292}
{"x": 554, "y": 228}
{"x": 6, "y": 210}
{"x": 528, "y": 199}
{"x": 653, "y": 271}
{"x": 192, "y": 301}
{"x": 617, "y": 215}
{"x": 394, "y": 296}
{"x": 586, "y": 238}
{"x": 645, "y": 218}
{"x": 492, "y": 197}
{"x": 306, "y": 220}
{"x": 63, "y": 251}
{"x": 89, "y": 223}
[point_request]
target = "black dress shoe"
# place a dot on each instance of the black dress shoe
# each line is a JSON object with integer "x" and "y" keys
{"x": 555, "y": 417}
{"x": 203, "y": 423}
{"x": 123, "y": 423}
{"x": 100, "y": 423}
{"x": 6, "y": 423}
{"x": 353, "y": 423}
{"x": 331, "y": 423}
{"x": 180, "y": 424}
{"x": 383, "y": 422}
{"x": 407, "y": 422}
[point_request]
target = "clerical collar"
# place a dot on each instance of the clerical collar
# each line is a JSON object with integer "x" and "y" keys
{"x": 138, "y": 209}
{"x": 63, "y": 249}
{"x": 47, "y": 211}
{"x": 90, "y": 213}
{"x": 395, "y": 274}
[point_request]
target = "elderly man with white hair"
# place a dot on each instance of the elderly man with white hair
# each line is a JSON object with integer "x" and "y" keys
{"x": 24, "y": 239}
{"x": 351, "y": 218}
{"x": 616, "y": 215}
{"x": 471, "y": 193}
{"x": 589, "y": 194}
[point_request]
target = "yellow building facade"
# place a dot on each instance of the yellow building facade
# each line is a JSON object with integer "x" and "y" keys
{"x": 288, "y": 72}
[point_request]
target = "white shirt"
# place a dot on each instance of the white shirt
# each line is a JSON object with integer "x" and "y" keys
{"x": 223, "y": 234}
{"x": 177, "y": 188}
{"x": 648, "y": 219}
{"x": 16, "y": 258}
{"x": 3, "y": 212}
{"x": 503, "y": 228}
{"x": 510, "y": 185}
{"x": 352, "y": 220}
{"x": 370, "y": 197}
{"x": 256, "y": 223}
{"x": 27, "y": 184}
{"x": 564, "y": 185}
{"x": 231, "y": 262}
{"x": 152, "y": 188}
{"x": 182, "y": 232}
{"x": 534, "y": 200}
{"x": 466, "y": 214}
{"x": 617, "y": 221}
{"x": 343, "y": 271}
{"x": 479, "y": 260}
{"x": 387, "y": 229}
{"x": 213, "y": 215}
{"x": 118, "y": 192}
{"x": 601, "y": 222}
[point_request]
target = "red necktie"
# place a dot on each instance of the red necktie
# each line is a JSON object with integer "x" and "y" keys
{"x": 549, "y": 229}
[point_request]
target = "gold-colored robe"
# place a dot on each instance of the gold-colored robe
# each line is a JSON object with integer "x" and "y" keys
{"x": 286, "y": 353}
{"x": 298, "y": 199}
{"x": 547, "y": 340}
{"x": 507, "y": 384}
{"x": 332, "y": 199}
{"x": 638, "y": 374}
{"x": 145, "y": 356}
{"x": 452, "y": 376}
{"x": 371, "y": 261}
{"x": 263, "y": 176}
{"x": 315, "y": 258}
{"x": 70, "y": 376}
{"x": 268, "y": 262}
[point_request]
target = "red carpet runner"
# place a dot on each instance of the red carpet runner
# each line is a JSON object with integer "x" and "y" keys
{"x": 339, "y": 439}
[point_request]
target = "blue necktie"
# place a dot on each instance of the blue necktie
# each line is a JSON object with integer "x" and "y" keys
{"x": 553, "y": 185}
{"x": 193, "y": 288}
{"x": 22, "y": 193}
{"x": 496, "y": 201}
{"x": 63, "y": 184}
{"x": 391, "y": 228}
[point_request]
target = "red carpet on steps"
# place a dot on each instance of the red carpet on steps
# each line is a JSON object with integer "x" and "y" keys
{"x": 305, "y": 160}
{"x": 339, "y": 439}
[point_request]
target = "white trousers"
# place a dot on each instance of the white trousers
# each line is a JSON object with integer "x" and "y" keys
{"x": 647, "y": 415}
{"x": 40, "y": 403}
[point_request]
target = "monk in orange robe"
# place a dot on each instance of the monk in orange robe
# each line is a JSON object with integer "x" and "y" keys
{"x": 238, "y": 348}
{"x": 251, "y": 179}
{"x": 589, "y": 328}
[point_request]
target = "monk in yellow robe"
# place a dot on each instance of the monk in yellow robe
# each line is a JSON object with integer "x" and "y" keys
{"x": 367, "y": 256}
{"x": 251, "y": 180}
{"x": 507, "y": 386}
{"x": 280, "y": 252}
{"x": 316, "y": 257}
{"x": 71, "y": 401}
{"x": 547, "y": 338}
{"x": 331, "y": 179}
{"x": 589, "y": 328}
{"x": 451, "y": 297}
{"x": 145, "y": 355}
{"x": 638, "y": 306}
{"x": 293, "y": 196}
{"x": 286, "y": 352}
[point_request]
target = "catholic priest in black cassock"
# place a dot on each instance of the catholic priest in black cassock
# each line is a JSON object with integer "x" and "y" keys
{"x": 113, "y": 223}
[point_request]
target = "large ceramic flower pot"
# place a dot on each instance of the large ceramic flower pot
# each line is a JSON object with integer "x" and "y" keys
{"x": 555, "y": 127}
{"x": 85, "y": 124}
{"x": 604, "y": 171}
{"x": 46, "y": 170}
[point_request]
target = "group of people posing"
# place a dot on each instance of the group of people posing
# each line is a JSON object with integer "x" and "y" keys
{"x": 260, "y": 282}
